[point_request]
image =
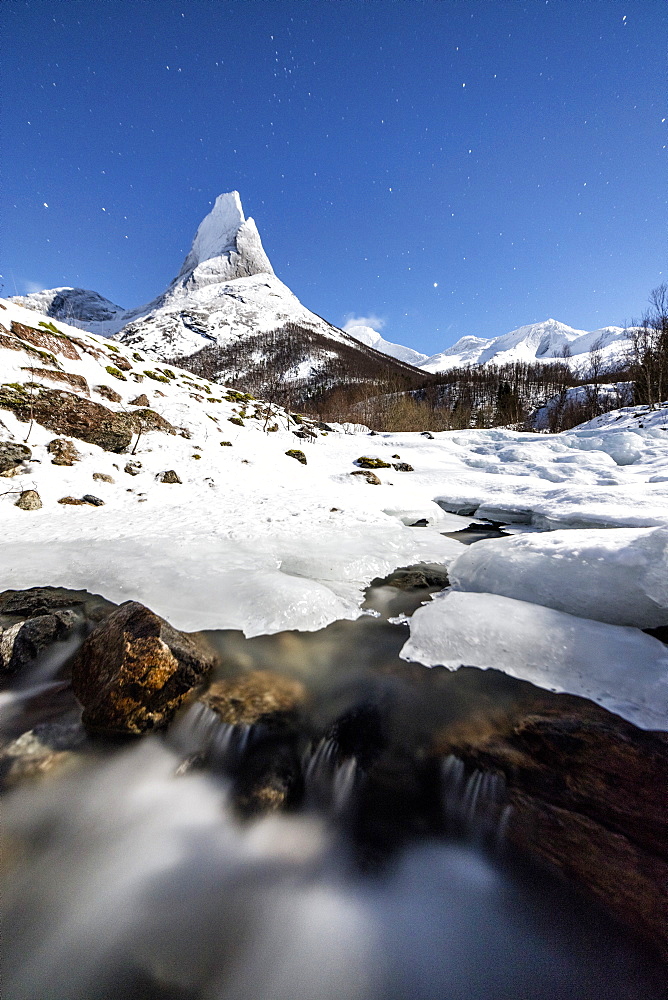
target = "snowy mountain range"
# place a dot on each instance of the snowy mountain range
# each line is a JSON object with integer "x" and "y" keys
{"x": 546, "y": 341}
{"x": 226, "y": 315}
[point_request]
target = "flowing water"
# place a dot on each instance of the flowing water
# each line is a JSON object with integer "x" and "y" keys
{"x": 145, "y": 874}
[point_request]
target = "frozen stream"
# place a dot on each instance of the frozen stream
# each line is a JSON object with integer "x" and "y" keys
{"x": 135, "y": 876}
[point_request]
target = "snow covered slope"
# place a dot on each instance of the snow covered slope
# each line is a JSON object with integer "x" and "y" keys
{"x": 242, "y": 534}
{"x": 367, "y": 335}
{"x": 227, "y": 315}
{"x": 546, "y": 341}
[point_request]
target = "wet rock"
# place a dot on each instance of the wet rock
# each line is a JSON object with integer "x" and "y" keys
{"x": 134, "y": 670}
{"x": 370, "y": 477}
{"x": 48, "y": 749}
{"x": 372, "y": 463}
{"x": 422, "y": 575}
{"x": 133, "y": 468}
{"x": 257, "y": 697}
{"x": 141, "y": 400}
{"x": 102, "y": 477}
{"x": 108, "y": 393}
{"x": 589, "y": 795}
{"x": 37, "y": 601}
{"x": 29, "y": 500}
{"x": 21, "y": 643}
{"x": 63, "y": 452}
{"x": 169, "y": 476}
{"x": 297, "y": 454}
{"x": 403, "y": 467}
{"x": 12, "y": 456}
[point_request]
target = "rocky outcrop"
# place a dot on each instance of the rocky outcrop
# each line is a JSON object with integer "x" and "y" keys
{"x": 134, "y": 670}
{"x": 66, "y": 378}
{"x": 108, "y": 393}
{"x": 71, "y": 415}
{"x": 47, "y": 339}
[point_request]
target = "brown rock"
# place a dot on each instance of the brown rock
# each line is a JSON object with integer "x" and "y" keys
{"x": 132, "y": 468}
{"x": 48, "y": 749}
{"x": 68, "y": 378}
{"x": 73, "y": 502}
{"x": 141, "y": 400}
{"x": 370, "y": 477}
{"x": 108, "y": 393}
{"x": 169, "y": 476}
{"x": 589, "y": 794}
{"x": 46, "y": 340}
{"x": 72, "y": 415}
{"x": 120, "y": 362}
{"x": 257, "y": 697}
{"x": 102, "y": 477}
{"x": 134, "y": 670}
{"x": 63, "y": 452}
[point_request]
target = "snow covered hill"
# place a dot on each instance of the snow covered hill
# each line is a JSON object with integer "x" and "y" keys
{"x": 141, "y": 481}
{"x": 546, "y": 341}
{"x": 226, "y": 315}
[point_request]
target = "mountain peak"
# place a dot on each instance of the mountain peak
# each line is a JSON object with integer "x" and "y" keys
{"x": 228, "y": 238}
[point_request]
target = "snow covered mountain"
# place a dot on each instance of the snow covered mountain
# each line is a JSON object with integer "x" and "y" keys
{"x": 546, "y": 341}
{"x": 227, "y": 315}
{"x": 367, "y": 335}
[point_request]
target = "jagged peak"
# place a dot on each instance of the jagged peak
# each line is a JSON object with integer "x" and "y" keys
{"x": 227, "y": 234}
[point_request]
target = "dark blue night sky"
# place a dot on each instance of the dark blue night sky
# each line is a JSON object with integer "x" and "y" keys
{"x": 449, "y": 167}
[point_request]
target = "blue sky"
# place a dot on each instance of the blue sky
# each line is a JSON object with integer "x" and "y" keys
{"x": 451, "y": 168}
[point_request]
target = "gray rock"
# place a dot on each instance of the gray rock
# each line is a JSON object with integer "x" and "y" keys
{"x": 12, "y": 456}
{"x": 29, "y": 500}
{"x": 133, "y": 468}
{"x": 94, "y": 501}
{"x": 21, "y": 643}
{"x": 102, "y": 477}
{"x": 50, "y": 747}
{"x": 169, "y": 476}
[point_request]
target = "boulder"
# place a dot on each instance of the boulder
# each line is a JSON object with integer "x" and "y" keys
{"x": 297, "y": 454}
{"x": 63, "y": 452}
{"x": 92, "y": 500}
{"x": 21, "y": 643}
{"x": 134, "y": 670}
{"x": 402, "y": 467}
{"x": 372, "y": 463}
{"x": 12, "y": 456}
{"x": 141, "y": 400}
{"x": 108, "y": 393}
{"x": 370, "y": 477}
{"x": 169, "y": 476}
{"x": 29, "y": 500}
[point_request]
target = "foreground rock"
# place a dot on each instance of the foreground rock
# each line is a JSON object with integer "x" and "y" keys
{"x": 22, "y": 642}
{"x": 134, "y": 670}
{"x": 257, "y": 697}
{"x": 50, "y": 748}
{"x": 589, "y": 794}
{"x": 29, "y": 500}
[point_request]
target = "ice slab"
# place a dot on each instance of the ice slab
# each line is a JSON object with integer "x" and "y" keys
{"x": 621, "y": 668}
{"x": 619, "y": 576}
